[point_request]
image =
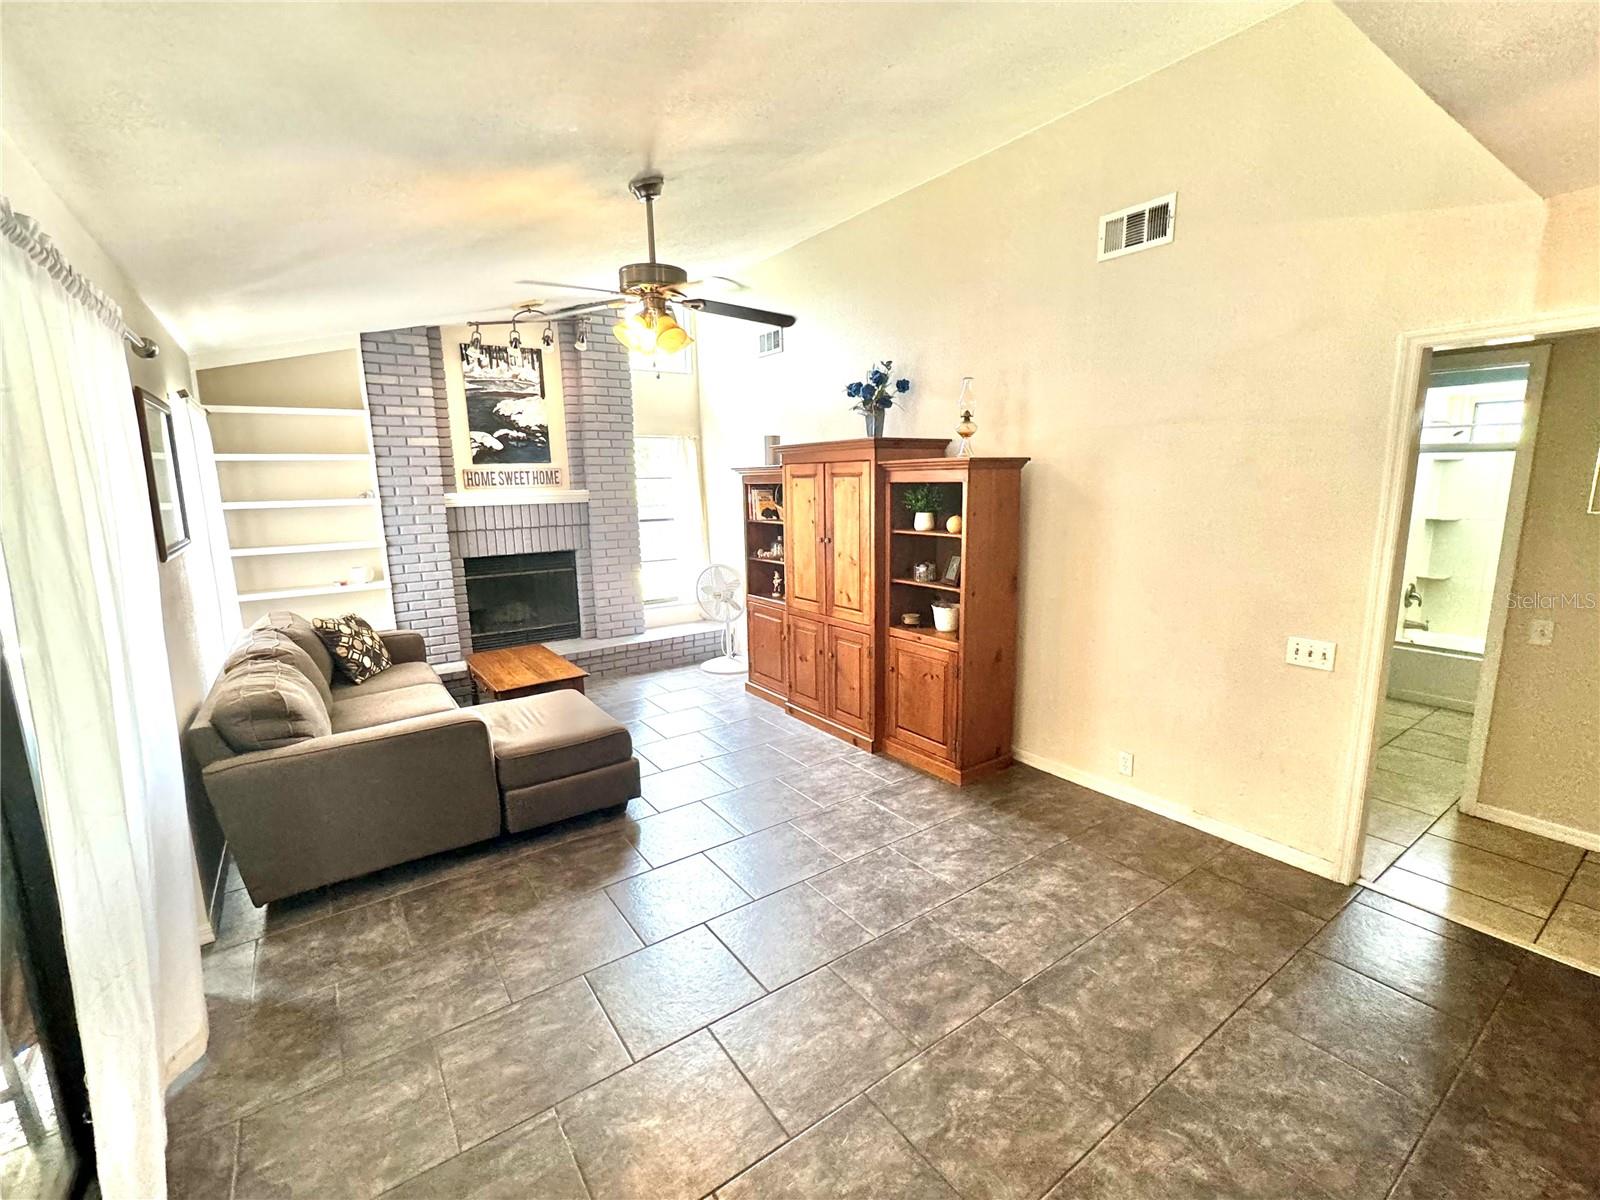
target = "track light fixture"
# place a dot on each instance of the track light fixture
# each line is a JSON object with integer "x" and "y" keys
{"x": 581, "y": 342}
{"x": 476, "y": 340}
{"x": 514, "y": 339}
{"x": 547, "y": 339}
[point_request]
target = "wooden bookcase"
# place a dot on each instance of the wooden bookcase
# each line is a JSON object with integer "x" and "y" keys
{"x": 949, "y": 698}
{"x": 765, "y": 640}
{"x": 834, "y": 651}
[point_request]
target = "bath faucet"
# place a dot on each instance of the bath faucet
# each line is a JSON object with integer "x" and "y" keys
{"x": 1422, "y": 625}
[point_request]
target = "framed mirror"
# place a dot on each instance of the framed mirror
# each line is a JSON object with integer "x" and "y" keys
{"x": 157, "y": 436}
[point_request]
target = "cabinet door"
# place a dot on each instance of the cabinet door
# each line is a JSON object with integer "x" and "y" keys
{"x": 803, "y": 528}
{"x": 808, "y": 654}
{"x": 850, "y": 677}
{"x": 848, "y": 535}
{"x": 765, "y": 646}
{"x": 922, "y": 698}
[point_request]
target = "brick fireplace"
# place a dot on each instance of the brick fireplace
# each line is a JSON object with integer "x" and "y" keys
{"x": 432, "y": 530}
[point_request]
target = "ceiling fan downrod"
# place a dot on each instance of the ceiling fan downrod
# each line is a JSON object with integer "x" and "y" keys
{"x": 649, "y": 274}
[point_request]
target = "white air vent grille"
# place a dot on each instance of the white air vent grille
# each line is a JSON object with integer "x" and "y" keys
{"x": 770, "y": 341}
{"x": 1137, "y": 228}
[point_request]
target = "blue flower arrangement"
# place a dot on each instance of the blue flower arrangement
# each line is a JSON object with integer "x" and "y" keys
{"x": 875, "y": 393}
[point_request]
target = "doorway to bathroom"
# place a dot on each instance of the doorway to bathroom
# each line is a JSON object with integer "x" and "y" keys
{"x": 1469, "y": 484}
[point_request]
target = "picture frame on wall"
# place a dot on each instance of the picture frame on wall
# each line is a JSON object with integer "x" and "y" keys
{"x": 159, "y": 443}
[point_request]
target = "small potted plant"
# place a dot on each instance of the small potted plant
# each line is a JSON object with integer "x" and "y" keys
{"x": 875, "y": 394}
{"x": 923, "y": 501}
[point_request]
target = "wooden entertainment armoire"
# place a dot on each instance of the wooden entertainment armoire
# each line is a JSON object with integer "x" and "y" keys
{"x": 831, "y": 646}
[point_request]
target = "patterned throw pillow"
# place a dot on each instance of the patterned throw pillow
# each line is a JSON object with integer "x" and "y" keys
{"x": 358, "y": 651}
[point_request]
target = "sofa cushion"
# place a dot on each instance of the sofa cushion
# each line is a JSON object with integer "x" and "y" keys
{"x": 356, "y": 648}
{"x": 275, "y": 644}
{"x": 299, "y": 630}
{"x": 550, "y": 736}
{"x": 266, "y": 703}
{"x": 364, "y": 712}
{"x": 401, "y": 675}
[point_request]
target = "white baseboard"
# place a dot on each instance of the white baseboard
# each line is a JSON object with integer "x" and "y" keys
{"x": 1120, "y": 790}
{"x": 1550, "y": 829}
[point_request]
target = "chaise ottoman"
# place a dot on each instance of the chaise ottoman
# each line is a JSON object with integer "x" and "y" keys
{"x": 558, "y": 755}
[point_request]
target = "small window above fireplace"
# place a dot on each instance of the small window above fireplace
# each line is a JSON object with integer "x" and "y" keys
{"x": 516, "y": 599}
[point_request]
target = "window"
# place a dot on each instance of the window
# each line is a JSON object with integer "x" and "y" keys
{"x": 1481, "y": 406}
{"x": 672, "y": 535}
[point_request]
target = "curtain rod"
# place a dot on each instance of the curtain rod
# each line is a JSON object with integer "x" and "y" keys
{"x": 23, "y": 232}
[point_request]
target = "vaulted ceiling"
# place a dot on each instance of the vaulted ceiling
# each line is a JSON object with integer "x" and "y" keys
{"x": 269, "y": 172}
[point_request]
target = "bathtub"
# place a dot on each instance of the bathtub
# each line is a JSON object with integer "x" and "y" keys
{"x": 1440, "y": 669}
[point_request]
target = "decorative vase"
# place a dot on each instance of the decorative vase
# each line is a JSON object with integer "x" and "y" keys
{"x": 947, "y": 617}
{"x": 922, "y": 522}
{"x": 874, "y": 419}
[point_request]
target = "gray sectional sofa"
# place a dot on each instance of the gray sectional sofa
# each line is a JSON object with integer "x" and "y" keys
{"x": 315, "y": 779}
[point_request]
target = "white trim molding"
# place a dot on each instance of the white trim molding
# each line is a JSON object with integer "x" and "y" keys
{"x": 1554, "y": 830}
{"x": 1180, "y": 813}
{"x": 494, "y": 496}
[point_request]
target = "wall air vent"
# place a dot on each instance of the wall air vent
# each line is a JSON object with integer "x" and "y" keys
{"x": 1137, "y": 228}
{"x": 769, "y": 341}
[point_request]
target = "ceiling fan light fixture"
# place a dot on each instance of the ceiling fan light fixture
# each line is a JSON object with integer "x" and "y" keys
{"x": 671, "y": 337}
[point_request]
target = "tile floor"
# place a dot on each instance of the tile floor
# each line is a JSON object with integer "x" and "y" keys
{"x": 1421, "y": 849}
{"x": 794, "y": 970}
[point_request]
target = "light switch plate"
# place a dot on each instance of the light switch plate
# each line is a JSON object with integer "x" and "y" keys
{"x": 1308, "y": 652}
{"x": 1541, "y": 631}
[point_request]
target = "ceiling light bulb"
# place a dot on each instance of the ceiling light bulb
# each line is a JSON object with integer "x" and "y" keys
{"x": 670, "y": 336}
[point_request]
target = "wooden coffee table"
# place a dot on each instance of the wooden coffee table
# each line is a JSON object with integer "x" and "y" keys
{"x": 523, "y": 671}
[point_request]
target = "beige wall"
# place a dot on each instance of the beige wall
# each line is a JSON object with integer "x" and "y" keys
{"x": 1569, "y": 258}
{"x": 1207, "y": 420}
{"x": 194, "y": 629}
{"x": 1542, "y": 760}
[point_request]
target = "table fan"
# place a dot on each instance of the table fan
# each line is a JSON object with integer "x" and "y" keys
{"x": 718, "y": 590}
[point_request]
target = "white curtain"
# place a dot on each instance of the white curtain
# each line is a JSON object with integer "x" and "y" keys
{"x": 83, "y": 636}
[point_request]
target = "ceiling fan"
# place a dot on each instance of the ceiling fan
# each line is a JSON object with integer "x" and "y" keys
{"x": 648, "y": 290}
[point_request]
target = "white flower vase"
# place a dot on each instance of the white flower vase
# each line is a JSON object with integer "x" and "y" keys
{"x": 922, "y": 522}
{"x": 947, "y": 617}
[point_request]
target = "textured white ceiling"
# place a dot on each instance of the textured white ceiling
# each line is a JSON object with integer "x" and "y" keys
{"x": 1523, "y": 77}
{"x": 271, "y": 172}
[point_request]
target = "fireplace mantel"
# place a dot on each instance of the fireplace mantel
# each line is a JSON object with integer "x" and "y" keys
{"x": 503, "y": 496}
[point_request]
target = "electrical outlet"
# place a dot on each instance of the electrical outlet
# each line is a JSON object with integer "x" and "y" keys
{"x": 1124, "y": 762}
{"x": 1541, "y": 631}
{"x": 1307, "y": 652}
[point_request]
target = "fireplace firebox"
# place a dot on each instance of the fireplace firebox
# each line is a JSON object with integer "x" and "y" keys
{"x": 515, "y": 599}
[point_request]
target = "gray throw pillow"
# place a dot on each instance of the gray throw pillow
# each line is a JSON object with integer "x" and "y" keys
{"x": 299, "y": 630}
{"x": 265, "y": 703}
{"x": 274, "y": 644}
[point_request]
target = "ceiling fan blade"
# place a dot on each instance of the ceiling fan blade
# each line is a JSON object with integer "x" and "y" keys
{"x": 714, "y": 281}
{"x": 578, "y": 310}
{"x": 739, "y": 312}
{"x": 567, "y": 287}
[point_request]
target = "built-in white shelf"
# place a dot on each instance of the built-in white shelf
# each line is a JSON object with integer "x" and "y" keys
{"x": 332, "y": 589}
{"x": 306, "y": 548}
{"x": 281, "y": 410}
{"x": 292, "y": 457}
{"x": 356, "y": 502}
{"x": 278, "y": 537}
